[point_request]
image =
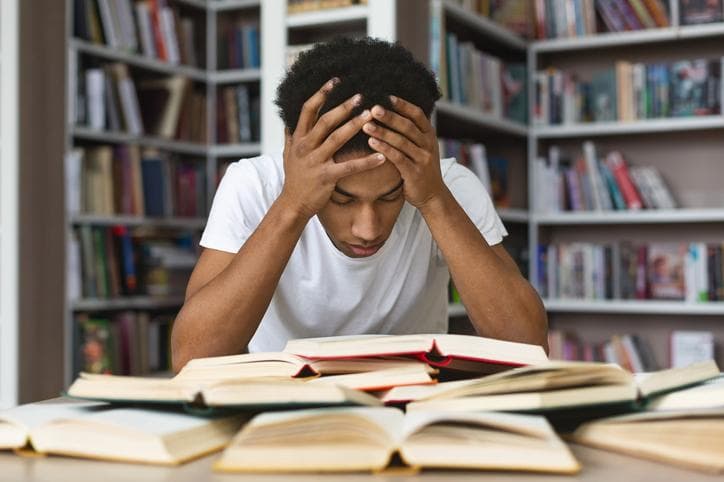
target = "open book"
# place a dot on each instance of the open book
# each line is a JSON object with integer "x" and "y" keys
{"x": 457, "y": 352}
{"x": 553, "y": 386}
{"x": 364, "y": 439}
{"x": 360, "y": 374}
{"x": 707, "y": 395}
{"x": 247, "y": 394}
{"x": 693, "y": 439}
{"x": 95, "y": 430}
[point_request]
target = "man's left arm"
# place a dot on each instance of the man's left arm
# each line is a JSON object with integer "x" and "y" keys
{"x": 499, "y": 300}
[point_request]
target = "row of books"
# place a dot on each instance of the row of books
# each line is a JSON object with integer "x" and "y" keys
{"x": 511, "y": 14}
{"x": 123, "y": 180}
{"x": 628, "y": 270}
{"x": 312, "y": 379}
{"x": 108, "y": 98}
{"x": 633, "y": 351}
{"x": 125, "y": 343}
{"x": 589, "y": 182}
{"x": 485, "y": 83}
{"x": 238, "y": 114}
{"x": 628, "y": 92}
{"x": 239, "y": 46}
{"x": 152, "y": 28}
{"x": 577, "y": 18}
{"x": 492, "y": 171}
{"x": 298, "y": 6}
{"x": 109, "y": 262}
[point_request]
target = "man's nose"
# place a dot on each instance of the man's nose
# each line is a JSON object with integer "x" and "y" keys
{"x": 366, "y": 224}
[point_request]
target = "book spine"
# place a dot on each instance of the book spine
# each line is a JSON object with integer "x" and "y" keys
{"x": 623, "y": 179}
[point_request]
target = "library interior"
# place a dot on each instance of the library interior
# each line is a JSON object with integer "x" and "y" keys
{"x": 506, "y": 256}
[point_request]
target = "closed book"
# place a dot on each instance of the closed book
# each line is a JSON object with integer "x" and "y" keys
{"x": 617, "y": 165}
{"x": 153, "y": 186}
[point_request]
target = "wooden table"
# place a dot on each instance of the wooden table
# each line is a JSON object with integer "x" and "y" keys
{"x": 597, "y": 466}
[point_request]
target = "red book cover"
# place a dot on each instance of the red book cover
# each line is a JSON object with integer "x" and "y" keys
{"x": 642, "y": 284}
{"x": 156, "y": 6}
{"x": 616, "y": 163}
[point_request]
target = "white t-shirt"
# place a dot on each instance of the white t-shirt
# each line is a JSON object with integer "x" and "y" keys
{"x": 401, "y": 289}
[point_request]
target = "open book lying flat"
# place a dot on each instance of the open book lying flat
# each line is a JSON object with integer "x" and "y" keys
{"x": 693, "y": 438}
{"x": 707, "y": 395}
{"x": 365, "y": 439}
{"x": 361, "y": 374}
{"x": 247, "y": 394}
{"x": 457, "y": 352}
{"x": 97, "y": 430}
{"x": 552, "y": 386}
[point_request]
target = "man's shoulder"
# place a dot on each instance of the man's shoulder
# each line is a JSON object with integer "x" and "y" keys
{"x": 263, "y": 174}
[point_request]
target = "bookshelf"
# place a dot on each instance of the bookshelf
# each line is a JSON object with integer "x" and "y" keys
{"x": 210, "y": 19}
{"x": 9, "y": 204}
{"x": 684, "y": 149}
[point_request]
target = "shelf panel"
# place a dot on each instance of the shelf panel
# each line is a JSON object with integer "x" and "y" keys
{"x": 236, "y": 75}
{"x": 620, "y": 39}
{"x": 485, "y": 26}
{"x": 128, "y": 303}
{"x": 329, "y": 16}
{"x": 661, "y": 216}
{"x": 641, "y": 307}
{"x": 456, "y": 309}
{"x": 512, "y": 215}
{"x": 202, "y": 4}
{"x": 175, "y": 222}
{"x": 483, "y": 120}
{"x": 105, "y": 52}
{"x": 222, "y": 5}
{"x": 125, "y": 138}
{"x": 235, "y": 150}
{"x": 626, "y": 128}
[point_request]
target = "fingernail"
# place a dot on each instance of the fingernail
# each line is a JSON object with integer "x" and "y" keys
{"x": 373, "y": 141}
{"x": 380, "y": 157}
{"x": 365, "y": 114}
{"x": 370, "y": 127}
{"x": 357, "y": 99}
{"x": 393, "y": 99}
{"x": 335, "y": 80}
{"x": 378, "y": 111}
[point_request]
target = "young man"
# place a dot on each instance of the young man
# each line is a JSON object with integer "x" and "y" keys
{"x": 357, "y": 227}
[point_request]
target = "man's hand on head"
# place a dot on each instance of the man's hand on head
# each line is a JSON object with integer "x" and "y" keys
{"x": 310, "y": 173}
{"x": 407, "y": 139}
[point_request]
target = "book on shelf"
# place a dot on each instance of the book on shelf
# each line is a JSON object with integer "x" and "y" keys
{"x": 687, "y": 438}
{"x": 513, "y": 15}
{"x": 124, "y": 343}
{"x": 697, "y": 12}
{"x": 248, "y": 394}
{"x": 239, "y": 46}
{"x": 688, "y": 346}
{"x": 299, "y": 6}
{"x": 152, "y": 28}
{"x": 100, "y": 431}
{"x": 624, "y": 270}
{"x": 566, "y": 392}
{"x": 579, "y": 18}
{"x": 629, "y": 92}
{"x": 368, "y": 374}
{"x": 161, "y": 102}
{"x": 630, "y": 351}
{"x": 365, "y": 439}
{"x": 238, "y": 114}
{"x": 491, "y": 170}
{"x": 472, "y": 354}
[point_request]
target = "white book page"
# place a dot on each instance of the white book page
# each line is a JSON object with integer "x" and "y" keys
{"x": 148, "y": 421}
{"x": 34, "y": 415}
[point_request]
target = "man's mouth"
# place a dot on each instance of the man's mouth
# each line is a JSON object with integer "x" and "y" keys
{"x": 364, "y": 250}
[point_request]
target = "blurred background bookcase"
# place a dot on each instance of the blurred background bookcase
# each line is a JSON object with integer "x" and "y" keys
{"x": 284, "y": 30}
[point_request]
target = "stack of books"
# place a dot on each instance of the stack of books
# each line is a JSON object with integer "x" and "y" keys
{"x": 335, "y": 405}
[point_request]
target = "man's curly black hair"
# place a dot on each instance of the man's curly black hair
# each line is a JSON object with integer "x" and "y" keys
{"x": 375, "y": 68}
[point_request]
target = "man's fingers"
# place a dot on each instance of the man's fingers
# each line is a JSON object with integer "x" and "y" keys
{"x": 399, "y": 142}
{"x": 412, "y": 112}
{"x": 332, "y": 119}
{"x": 403, "y": 163}
{"x": 401, "y": 124}
{"x": 339, "y": 170}
{"x": 342, "y": 134}
{"x": 310, "y": 109}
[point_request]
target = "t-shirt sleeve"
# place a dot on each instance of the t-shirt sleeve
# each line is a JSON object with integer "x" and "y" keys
{"x": 238, "y": 208}
{"x": 475, "y": 201}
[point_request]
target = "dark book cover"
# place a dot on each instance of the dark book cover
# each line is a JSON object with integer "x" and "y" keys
{"x": 695, "y": 12}
{"x": 153, "y": 187}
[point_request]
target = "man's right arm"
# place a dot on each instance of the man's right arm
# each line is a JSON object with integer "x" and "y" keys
{"x": 228, "y": 294}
